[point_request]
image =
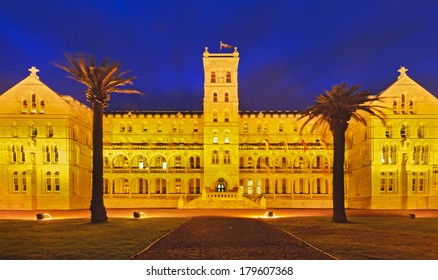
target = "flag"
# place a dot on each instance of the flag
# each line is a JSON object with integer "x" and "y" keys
{"x": 326, "y": 145}
{"x": 304, "y": 145}
{"x": 286, "y": 147}
{"x": 225, "y": 46}
{"x": 266, "y": 143}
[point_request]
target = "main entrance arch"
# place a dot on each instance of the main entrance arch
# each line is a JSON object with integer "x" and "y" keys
{"x": 221, "y": 185}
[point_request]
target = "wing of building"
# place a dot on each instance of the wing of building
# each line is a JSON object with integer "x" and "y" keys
{"x": 216, "y": 158}
{"x": 45, "y": 148}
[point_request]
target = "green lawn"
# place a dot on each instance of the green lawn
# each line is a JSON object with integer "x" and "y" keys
{"x": 394, "y": 238}
{"x": 380, "y": 238}
{"x": 78, "y": 239}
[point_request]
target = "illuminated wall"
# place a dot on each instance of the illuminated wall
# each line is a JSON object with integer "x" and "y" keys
{"x": 45, "y": 148}
{"x": 177, "y": 159}
{"x": 395, "y": 164}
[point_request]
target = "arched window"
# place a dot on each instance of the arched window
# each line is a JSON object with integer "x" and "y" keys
{"x": 392, "y": 158}
{"x": 42, "y": 107}
{"x": 22, "y": 153}
{"x": 226, "y": 116}
{"x": 47, "y": 150}
{"x": 420, "y": 131}
{"x": 215, "y": 157}
{"x": 404, "y": 131}
{"x": 227, "y": 138}
{"x": 49, "y": 181}
{"x": 280, "y": 127}
{"x": 14, "y": 130}
{"x": 33, "y": 131}
{"x": 228, "y": 77}
{"x": 215, "y": 138}
{"x": 57, "y": 181}
{"x": 226, "y": 97}
{"x": 15, "y": 181}
{"x": 55, "y": 154}
{"x": 13, "y": 153}
{"x": 424, "y": 154}
{"x": 388, "y": 131}
{"x": 395, "y": 107}
{"x": 215, "y": 97}
{"x": 33, "y": 103}
{"x": 215, "y": 116}
{"x": 227, "y": 157}
{"x": 24, "y": 106}
{"x": 245, "y": 127}
{"x": 384, "y": 155}
{"x": 213, "y": 77}
{"x": 23, "y": 181}
{"x": 411, "y": 107}
{"x": 417, "y": 154}
{"x": 267, "y": 186}
{"x": 49, "y": 131}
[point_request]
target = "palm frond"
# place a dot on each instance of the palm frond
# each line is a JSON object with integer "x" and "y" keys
{"x": 100, "y": 80}
{"x": 340, "y": 104}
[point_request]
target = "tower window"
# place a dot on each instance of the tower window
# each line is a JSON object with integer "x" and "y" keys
{"x": 215, "y": 97}
{"x": 228, "y": 77}
{"x": 226, "y": 99}
{"x": 213, "y": 77}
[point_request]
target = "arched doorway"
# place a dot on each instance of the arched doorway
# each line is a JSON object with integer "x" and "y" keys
{"x": 221, "y": 185}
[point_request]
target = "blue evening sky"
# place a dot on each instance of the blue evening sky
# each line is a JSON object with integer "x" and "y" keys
{"x": 290, "y": 51}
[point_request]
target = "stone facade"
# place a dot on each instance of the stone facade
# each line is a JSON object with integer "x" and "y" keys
{"x": 219, "y": 157}
{"x": 45, "y": 148}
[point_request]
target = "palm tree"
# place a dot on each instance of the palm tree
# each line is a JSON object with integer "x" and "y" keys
{"x": 100, "y": 80}
{"x": 336, "y": 108}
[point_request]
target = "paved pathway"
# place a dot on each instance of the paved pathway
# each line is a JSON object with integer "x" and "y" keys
{"x": 229, "y": 238}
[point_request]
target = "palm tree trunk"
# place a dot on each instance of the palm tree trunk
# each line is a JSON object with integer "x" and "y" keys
{"x": 339, "y": 215}
{"x": 98, "y": 211}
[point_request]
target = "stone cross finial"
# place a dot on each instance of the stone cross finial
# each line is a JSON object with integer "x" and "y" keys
{"x": 402, "y": 71}
{"x": 33, "y": 71}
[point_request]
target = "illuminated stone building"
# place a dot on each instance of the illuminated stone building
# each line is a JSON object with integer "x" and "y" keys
{"x": 45, "y": 148}
{"x": 219, "y": 157}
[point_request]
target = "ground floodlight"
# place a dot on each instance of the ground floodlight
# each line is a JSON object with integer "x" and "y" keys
{"x": 269, "y": 214}
{"x": 411, "y": 216}
{"x": 139, "y": 215}
{"x": 43, "y": 216}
